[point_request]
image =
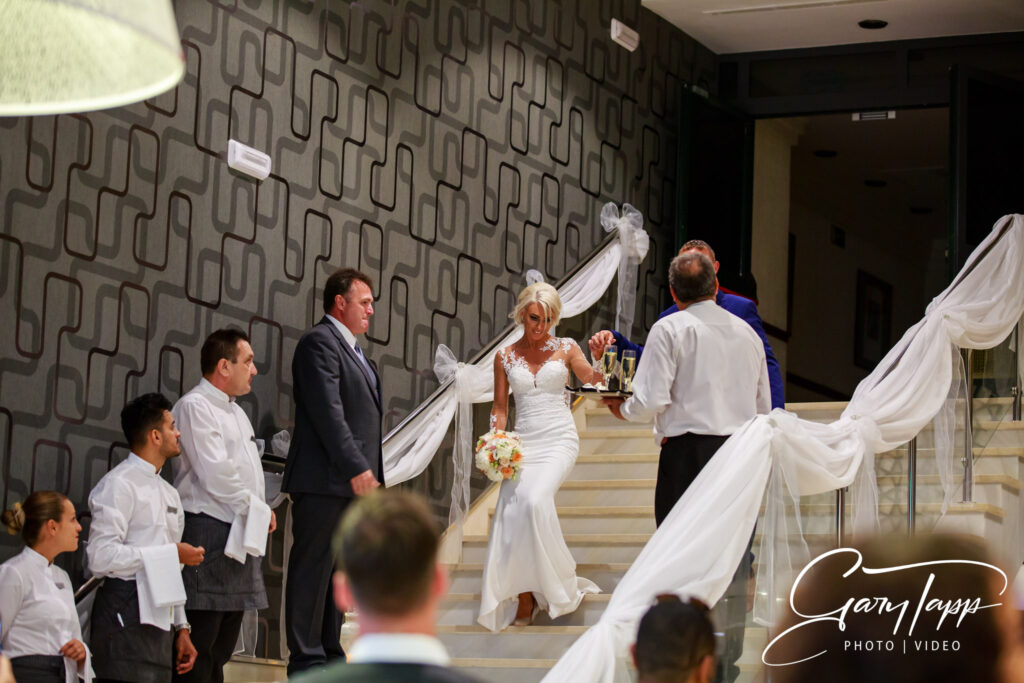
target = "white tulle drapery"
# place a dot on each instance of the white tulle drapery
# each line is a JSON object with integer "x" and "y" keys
{"x": 700, "y": 543}
{"x": 471, "y": 384}
{"x": 409, "y": 452}
{"x": 634, "y": 240}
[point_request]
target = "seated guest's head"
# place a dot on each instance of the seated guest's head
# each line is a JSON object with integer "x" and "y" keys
{"x": 46, "y": 522}
{"x": 931, "y": 608}
{"x": 386, "y": 554}
{"x": 675, "y": 643}
{"x": 148, "y": 426}
{"x": 691, "y": 277}
{"x": 227, "y": 361}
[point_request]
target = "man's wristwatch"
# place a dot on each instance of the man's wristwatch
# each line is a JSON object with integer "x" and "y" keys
{"x": 183, "y": 627}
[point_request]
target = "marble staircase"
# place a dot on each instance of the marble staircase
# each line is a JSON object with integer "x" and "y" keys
{"x": 605, "y": 508}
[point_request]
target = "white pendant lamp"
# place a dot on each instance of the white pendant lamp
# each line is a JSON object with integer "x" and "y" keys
{"x": 61, "y": 56}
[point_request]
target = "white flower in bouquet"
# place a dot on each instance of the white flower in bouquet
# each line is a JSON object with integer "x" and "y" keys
{"x": 499, "y": 454}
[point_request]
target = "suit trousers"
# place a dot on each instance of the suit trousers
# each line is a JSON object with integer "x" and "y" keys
{"x": 682, "y": 458}
{"x": 312, "y": 622}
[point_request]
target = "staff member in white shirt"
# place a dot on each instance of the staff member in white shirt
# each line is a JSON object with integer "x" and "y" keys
{"x": 702, "y": 375}
{"x": 41, "y": 633}
{"x": 219, "y": 477}
{"x": 134, "y": 511}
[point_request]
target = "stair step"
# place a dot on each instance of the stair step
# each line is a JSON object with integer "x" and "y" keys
{"x": 468, "y": 578}
{"x": 614, "y": 492}
{"x": 461, "y": 609}
{"x": 585, "y": 548}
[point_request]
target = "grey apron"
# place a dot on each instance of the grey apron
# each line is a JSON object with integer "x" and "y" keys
{"x": 219, "y": 583}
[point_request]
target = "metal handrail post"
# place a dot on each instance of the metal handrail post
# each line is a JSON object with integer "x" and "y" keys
{"x": 840, "y": 514}
{"x": 968, "y": 492}
{"x": 911, "y": 484}
{"x": 1016, "y": 400}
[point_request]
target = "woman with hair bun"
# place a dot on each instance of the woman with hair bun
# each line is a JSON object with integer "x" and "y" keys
{"x": 39, "y": 628}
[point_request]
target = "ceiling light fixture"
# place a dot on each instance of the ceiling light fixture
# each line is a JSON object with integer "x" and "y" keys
{"x": 62, "y": 56}
{"x": 872, "y": 24}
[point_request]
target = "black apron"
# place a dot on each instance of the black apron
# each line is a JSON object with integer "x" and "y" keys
{"x": 38, "y": 669}
{"x": 122, "y": 648}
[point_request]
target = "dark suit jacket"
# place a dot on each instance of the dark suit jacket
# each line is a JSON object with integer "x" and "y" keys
{"x": 338, "y": 413}
{"x": 741, "y": 308}
{"x": 373, "y": 672}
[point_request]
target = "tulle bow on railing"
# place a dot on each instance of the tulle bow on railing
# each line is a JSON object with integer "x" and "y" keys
{"x": 634, "y": 243}
{"x": 471, "y": 384}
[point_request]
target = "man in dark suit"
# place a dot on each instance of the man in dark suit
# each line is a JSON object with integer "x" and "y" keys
{"x": 386, "y": 550}
{"x": 739, "y": 306}
{"x": 335, "y": 454}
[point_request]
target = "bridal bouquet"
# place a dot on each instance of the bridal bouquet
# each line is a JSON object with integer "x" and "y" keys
{"x": 499, "y": 454}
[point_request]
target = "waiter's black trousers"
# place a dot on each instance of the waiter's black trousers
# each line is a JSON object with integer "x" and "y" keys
{"x": 682, "y": 459}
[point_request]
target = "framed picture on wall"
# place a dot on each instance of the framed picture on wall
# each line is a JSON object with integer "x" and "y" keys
{"x": 873, "y": 325}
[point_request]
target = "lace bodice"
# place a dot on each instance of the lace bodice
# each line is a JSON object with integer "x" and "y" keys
{"x": 548, "y": 378}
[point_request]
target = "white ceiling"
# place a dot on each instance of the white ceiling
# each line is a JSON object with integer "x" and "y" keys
{"x": 730, "y": 26}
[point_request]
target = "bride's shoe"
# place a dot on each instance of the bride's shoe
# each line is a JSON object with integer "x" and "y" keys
{"x": 526, "y": 619}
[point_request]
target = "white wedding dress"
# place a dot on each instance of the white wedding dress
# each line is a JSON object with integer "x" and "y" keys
{"x": 526, "y": 551}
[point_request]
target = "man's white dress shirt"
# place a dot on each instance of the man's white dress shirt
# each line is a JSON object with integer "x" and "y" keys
{"x": 37, "y": 610}
{"x": 703, "y": 371}
{"x": 219, "y": 469}
{"x": 398, "y": 648}
{"x": 133, "y": 510}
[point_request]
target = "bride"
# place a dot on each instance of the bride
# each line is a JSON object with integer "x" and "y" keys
{"x": 529, "y": 567}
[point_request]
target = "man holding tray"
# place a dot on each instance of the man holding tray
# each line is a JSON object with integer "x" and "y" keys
{"x": 702, "y": 375}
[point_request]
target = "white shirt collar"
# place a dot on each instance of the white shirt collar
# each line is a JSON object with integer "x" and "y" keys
{"x": 34, "y": 557}
{"x": 136, "y": 461}
{"x": 399, "y": 648}
{"x": 346, "y": 333}
{"x": 206, "y": 386}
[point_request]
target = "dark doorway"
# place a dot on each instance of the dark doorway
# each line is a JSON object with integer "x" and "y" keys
{"x": 868, "y": 216}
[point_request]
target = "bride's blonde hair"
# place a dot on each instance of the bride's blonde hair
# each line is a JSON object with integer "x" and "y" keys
{"x": 543, "y": 294}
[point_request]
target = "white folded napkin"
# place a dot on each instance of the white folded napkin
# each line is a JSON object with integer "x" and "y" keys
{"x": 159, "y": 585}
{"x": 248, "y": 535}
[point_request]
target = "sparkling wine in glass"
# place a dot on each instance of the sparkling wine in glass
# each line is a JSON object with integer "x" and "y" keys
{"x": 609, "y": 361}
{"x": 628, "y": 368}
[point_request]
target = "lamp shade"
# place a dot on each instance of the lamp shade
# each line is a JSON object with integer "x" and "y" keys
{"x": 60, "y": 56}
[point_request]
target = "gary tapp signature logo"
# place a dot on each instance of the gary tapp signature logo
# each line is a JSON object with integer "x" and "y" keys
{"x": 904, "y": 613}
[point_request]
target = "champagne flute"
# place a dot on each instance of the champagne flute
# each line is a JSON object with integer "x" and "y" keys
{"x": 628, "y": 368}
{"x": 608, "y": 364}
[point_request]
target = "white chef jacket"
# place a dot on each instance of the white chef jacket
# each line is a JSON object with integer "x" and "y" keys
{"x": 703, "y": 371}
{"x": 132, "y": 508}
{"x": 37, "y": 608}
{"x": 219, "y": 469}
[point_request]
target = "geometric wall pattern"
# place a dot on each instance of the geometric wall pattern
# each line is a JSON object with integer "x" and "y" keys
{"x": 442, "y": 147}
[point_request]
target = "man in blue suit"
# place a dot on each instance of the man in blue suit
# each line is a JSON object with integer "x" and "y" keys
{"x": 335, "y": 454}
{"x": 737, "y": 305}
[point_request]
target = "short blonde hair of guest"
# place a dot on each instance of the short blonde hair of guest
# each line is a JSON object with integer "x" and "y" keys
{"x": 541, "y": 293}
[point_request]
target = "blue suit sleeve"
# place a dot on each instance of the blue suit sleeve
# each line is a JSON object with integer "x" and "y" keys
{"x": 626, "y": 345}
{"x": 748, "y": 311}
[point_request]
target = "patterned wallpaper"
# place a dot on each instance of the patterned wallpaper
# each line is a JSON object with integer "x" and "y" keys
{"x": 443, "y": 147}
